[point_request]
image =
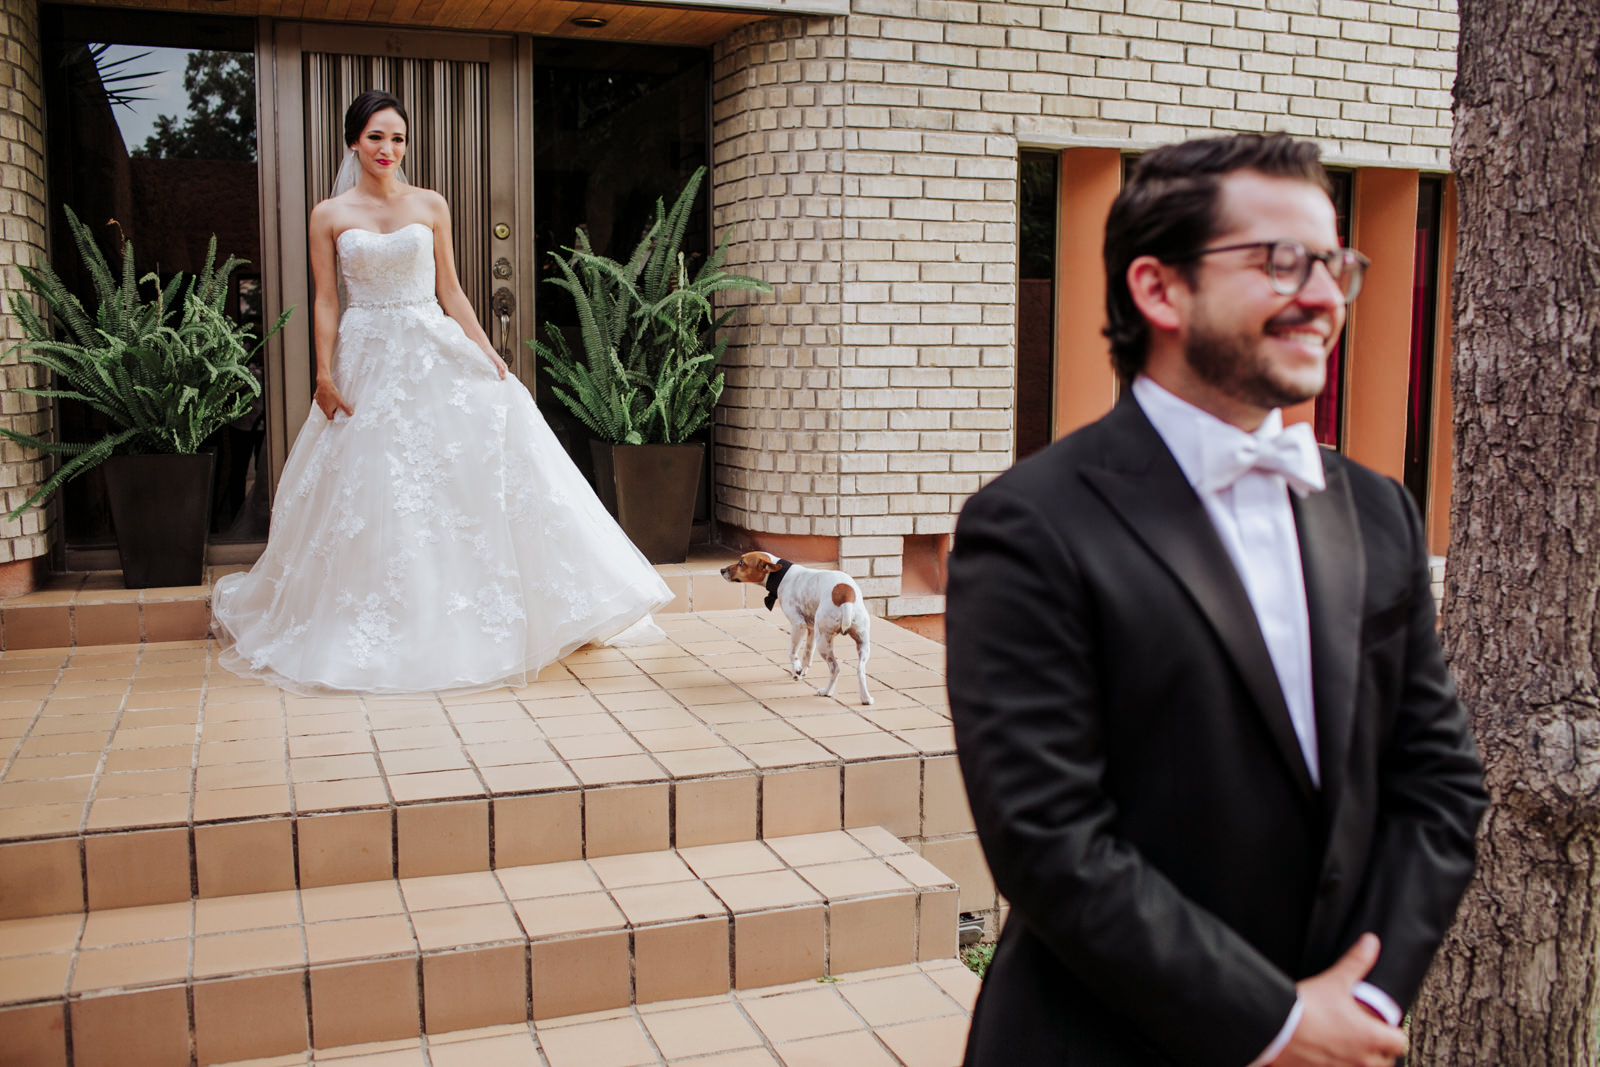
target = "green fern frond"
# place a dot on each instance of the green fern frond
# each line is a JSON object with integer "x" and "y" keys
{"x": 89, "y": 457}
{"x": 635, "y": 267}
{"x": 643, "y": 369}
{"x": 105, "y": 288}
{"x": 714, "y": 261}
{"x": 665, "y": 257}
{"x": 166, "y": 372}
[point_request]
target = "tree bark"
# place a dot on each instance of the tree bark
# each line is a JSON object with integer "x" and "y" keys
{"x": 1517, "y": 983}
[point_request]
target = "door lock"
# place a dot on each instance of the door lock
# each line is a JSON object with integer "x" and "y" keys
{"x": 502, "y": 231}
{"x": 502, "y": 267}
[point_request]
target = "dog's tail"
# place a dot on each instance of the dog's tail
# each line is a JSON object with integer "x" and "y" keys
{"x": 850, "y": 618}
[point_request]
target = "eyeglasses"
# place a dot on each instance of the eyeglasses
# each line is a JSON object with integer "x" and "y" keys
{"x": 1288, "y": 265}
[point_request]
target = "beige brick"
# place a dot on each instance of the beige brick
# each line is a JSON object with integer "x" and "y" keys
{"x": 859, "y": 186}
{"x": 22, "y": 240}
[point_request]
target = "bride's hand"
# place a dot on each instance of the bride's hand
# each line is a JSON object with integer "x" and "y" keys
{"x": 328, "y": 399}
{"x": 499, "y": 364}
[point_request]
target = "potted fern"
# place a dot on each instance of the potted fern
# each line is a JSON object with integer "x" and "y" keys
{"x": 643, "y": 375}
{"x": 166, "y": 373}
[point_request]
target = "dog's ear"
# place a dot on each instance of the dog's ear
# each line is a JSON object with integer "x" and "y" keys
{"x": 764, "y": 562}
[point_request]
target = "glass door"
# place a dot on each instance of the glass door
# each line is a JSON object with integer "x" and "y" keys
{"x": 1424, "y": 347}
{"x": 152, "y": 139}
{"x": 1327, "y": 418}
{"x": 1039, "y": 195}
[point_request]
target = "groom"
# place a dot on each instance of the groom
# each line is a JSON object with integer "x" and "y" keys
{"x": 1216, "y": 762}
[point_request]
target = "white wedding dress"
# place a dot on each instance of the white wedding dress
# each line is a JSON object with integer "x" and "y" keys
{"x": 438, "y": 539}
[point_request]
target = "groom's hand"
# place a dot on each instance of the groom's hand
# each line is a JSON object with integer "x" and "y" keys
{"x": 1335, "y": 1029}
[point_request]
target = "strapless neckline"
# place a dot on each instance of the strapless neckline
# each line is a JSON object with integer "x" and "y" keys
{"x": 379, "y": 233}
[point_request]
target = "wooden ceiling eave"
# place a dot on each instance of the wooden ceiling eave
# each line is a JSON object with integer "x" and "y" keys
{"x": 690, "y": 24}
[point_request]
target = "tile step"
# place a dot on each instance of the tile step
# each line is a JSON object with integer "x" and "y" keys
{"x": 911, "y": 1016}
{"x": 150, "y": 775}
{"x": 93, "y": 608}
{"x": 167, "y": 864}
{"x": 271, "y": 973}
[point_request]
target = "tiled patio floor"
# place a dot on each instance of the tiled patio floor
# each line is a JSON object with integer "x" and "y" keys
{"x": 112, "y": 737}
{"x": 910, "y": 1016}
{"x": 699, "y": 739}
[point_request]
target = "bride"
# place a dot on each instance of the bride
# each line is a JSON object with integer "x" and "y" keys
{"x": 429, "y": 532}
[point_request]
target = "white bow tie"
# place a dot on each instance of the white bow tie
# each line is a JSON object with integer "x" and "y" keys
{"x": 1292, "y": 453}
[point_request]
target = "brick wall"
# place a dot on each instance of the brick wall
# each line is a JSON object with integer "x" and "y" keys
{"x": 778, "y": 184}
{"x": 868, "y": 166}
{"x": 22, "y": 240}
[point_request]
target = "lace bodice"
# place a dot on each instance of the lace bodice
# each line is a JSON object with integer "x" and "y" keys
{"x": 386, "y": 269}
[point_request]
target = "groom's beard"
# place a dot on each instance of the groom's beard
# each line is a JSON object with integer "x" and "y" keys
{"x": 1238, "y": 364}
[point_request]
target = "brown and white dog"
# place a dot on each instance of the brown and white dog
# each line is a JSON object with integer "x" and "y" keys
{"x": 820, "y": 606}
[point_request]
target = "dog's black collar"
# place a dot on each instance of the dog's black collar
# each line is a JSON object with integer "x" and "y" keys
{"x": 774, "y": 580}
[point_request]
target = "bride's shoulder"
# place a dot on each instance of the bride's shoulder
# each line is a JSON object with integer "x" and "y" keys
{"x": 328, "y": 213}
{"x": 334, "y": 204}
{"x": 430, "y": 202}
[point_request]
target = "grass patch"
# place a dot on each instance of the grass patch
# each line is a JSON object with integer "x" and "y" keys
{"x": 977, "y": 958}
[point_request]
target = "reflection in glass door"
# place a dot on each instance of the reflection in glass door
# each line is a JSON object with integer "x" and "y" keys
{"x": 152, "y": 138}
{"x": 1038, "y": 185}
{"x": 1327, "y": 418}
{"x": 1424, "y": 355}
{"x": 616, "y": 128}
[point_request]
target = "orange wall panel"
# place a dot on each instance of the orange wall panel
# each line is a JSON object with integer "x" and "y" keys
{"x": 1085, "y": 385}
{"x": 1384, "y": 226}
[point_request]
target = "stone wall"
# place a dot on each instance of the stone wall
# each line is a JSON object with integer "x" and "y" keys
{"x": 867, "y": 165}
{"x": 22, "y": 240}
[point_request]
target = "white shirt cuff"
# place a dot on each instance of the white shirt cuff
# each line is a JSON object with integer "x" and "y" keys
{"x": 1378, "y": 1001}
{"x": 1282, "y": 1040}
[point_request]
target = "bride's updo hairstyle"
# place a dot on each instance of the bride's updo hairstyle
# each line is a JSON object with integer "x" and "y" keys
{"x": 363, "y": 107}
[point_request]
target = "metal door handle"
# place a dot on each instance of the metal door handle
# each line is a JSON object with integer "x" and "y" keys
{"x": 503, "y": 304}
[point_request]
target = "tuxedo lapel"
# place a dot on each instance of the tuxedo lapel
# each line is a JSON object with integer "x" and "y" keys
{"x": 1144, "y": 486}
{"x": 1335, "y": 567}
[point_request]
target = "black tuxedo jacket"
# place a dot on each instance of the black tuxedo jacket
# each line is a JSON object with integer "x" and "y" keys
{"x": 1136, "y": 782}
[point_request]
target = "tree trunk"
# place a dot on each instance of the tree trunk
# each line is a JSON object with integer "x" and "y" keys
{"x": 1517, "y": 983}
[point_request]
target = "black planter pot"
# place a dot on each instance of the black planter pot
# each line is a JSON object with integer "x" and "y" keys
{"x": 160, "y": 510}
{"x": 650, "y": 489}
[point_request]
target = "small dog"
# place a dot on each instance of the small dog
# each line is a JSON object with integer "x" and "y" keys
{"x": 820, "y": 605}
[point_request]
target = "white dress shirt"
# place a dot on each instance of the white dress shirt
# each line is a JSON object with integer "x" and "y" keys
{"x": 1256, "y": 524}
{"x": 1253, "y": 518}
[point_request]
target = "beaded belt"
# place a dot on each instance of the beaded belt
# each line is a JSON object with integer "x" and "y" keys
{"x": 390, "y": 303}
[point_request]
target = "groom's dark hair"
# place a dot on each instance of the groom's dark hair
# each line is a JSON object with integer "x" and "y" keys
{"x": 363, "y": 107}
{"x": 1168, "y": 209}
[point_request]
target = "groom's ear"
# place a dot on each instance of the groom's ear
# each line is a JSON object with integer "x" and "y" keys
{"x": 1158, "y": 290}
